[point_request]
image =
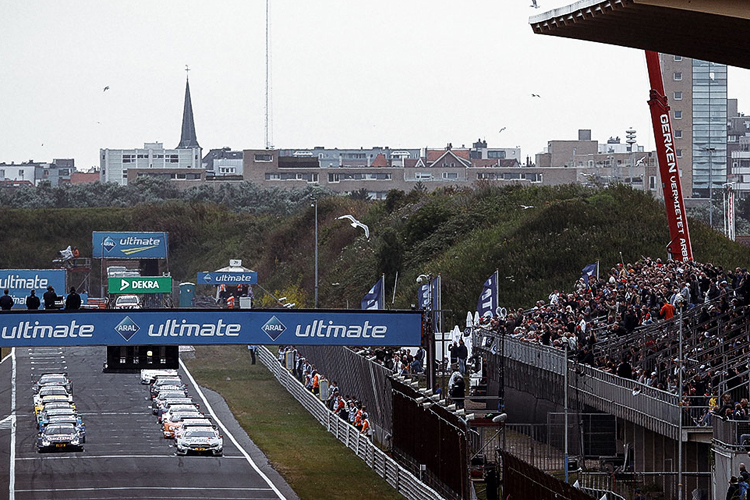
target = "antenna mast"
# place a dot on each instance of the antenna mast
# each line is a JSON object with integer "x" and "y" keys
{"x": 268, "y": 77}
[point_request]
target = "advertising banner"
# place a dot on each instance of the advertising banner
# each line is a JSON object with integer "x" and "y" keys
{"x": 213, "y": 327}
{"x": 228, "y": 278}
{"x": 20, "y": 282}
{"x": 107, "y": 245}
{"x": 141, "y": 284}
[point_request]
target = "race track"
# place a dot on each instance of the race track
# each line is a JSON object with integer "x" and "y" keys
{"x": 125, "y": 455}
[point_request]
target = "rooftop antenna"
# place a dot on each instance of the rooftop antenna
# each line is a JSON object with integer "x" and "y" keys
{"x": 268, "y": 134}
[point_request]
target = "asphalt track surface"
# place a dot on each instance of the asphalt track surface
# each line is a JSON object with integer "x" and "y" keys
{"x": 125, "y": 455}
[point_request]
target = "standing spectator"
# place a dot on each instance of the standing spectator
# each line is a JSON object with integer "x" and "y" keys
{"x": 453, "y": 348}
{"x": 50, "y": 297}
{"x": 73, "y": 301}
{"x": 32, "y": 301}
{"x": 667, "y": 310}
{"x": 462, "y": 353}
{"x": 639, "y": 495}
{"x": 733, "y": 493}
{"x": 457, "y": 388}
{"x": 6, "y": 301}
{"x": 744, "y": 474}
{"x": 252, "y": 349}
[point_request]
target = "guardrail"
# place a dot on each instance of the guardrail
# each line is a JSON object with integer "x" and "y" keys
{"x": 386, "y": 467}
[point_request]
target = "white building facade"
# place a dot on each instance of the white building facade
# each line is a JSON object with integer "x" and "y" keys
{"x": 114, "y": 163}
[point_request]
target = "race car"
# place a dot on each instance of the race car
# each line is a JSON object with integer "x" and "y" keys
{"x": 65, "y": 419}
{"x": 59, "y": 437}
{"x": 179, "y": 419}
{"x": 148, "y": 376}
{"x": 200, "y": 440}
{"x": 54, "y": 398}
{"x": 188, "y": 423}
{"x": 163, "y": 396}
{"x": 169, "y": 414}
{"x": 160, "y": 381}
{"x": 60, "y": 379}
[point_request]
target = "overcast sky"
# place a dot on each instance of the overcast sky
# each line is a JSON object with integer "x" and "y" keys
{"x": 344, "y": 74}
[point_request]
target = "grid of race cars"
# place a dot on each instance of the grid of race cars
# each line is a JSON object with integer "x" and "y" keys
{"x": 61, "y": 427}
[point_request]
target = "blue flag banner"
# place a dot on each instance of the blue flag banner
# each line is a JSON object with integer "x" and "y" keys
{"x": 203, "y": 327}
{"x": 488, "y": 300}
{"x": 423, "y": 296}
{"x": 589, "y": 271}
{"x": 374, "y": 298}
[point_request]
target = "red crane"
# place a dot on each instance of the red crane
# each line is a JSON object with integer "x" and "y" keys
{"x": 680, "y": 248}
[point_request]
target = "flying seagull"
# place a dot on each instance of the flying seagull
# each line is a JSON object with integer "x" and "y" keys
{"x": 501, "y": 129}
{"x": 106, "y": 88}
{"x": 535, "y": 95}
{"x": 526, "y": 207}
{"x": 533, "y": 4}
{"x": 356, "y": 223}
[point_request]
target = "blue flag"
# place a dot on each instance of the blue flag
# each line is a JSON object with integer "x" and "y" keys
{"x": 423, "y": 296}
{"x": 488, "y": 300}
{"x": 374, "y": 298}
{"x": 589, "y": 271}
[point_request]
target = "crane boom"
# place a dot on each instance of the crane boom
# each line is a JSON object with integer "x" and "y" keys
{"x": 679, "y": 247}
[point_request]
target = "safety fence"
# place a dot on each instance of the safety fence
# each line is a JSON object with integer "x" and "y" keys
{"x": 386, "y": 467}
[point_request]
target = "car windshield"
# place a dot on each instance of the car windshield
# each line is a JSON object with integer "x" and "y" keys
{"x": 57, "y": 405}
{"x": 168, "y": 381}
{"x": 52, "y": 379}
{"x": 60, "y": 411}
{"x": 200, "y": 433}
{"x": 62, "y": 419}
{"x": 128, "y": 299}
{"x": 60, "y": 429}
{"x": 53, "y": 389}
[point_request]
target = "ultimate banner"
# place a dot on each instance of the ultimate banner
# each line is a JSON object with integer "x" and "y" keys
{"x": 215, "y": 327}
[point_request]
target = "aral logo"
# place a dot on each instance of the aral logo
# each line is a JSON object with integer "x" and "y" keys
{"x": 109, "y": 244}
{"x": 273, "y": 328}
{"x": 127, "y": 328}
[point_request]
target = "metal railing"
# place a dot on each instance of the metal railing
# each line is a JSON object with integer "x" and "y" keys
{"x": 647, "y": 406}
{"x": 399, "y": 478}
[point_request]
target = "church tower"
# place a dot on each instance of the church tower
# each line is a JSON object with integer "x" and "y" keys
{"x": 188, "y": 138}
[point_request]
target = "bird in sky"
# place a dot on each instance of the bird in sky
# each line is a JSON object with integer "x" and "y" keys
{"x": 526, "y": 207}
{"x": 356, "y": 223}
{"x": 533, "y": 4}
{"x": 106, "y": 88}
{"x": 535, "y": 95}
{"x": 501, "y": 129}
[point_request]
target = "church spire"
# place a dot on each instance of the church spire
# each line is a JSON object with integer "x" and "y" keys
{"x": 188, "y": 139}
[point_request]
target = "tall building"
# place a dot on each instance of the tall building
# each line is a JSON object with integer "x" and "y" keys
{"x": 697, "y": 95}
{"x": 182, "y": 164}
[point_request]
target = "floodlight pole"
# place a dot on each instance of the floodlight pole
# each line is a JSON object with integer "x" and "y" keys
{"x": 679, "y": 422}
{"x": 565, "y": 395}
{"x": 315, "y": 204}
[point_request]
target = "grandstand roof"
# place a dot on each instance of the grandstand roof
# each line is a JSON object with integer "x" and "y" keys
{"x": 711, "y": 30}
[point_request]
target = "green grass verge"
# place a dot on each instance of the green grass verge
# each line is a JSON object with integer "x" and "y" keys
{"x": 314, "y": 463}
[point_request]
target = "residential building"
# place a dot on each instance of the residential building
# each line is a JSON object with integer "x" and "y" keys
{"x": 601, "y": 164}
{"x": 697, "y": 94}
{"x": 380, "y": 169}
{"x": 223, "y": 163}
{"x": 184, "y": 163}
{"x": 32, "y": 173}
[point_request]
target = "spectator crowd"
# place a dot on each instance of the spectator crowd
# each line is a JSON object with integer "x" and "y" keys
{"x": 619, "y": 323}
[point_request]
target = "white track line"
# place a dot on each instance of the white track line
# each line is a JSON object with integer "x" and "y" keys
{"x": 12, "y": 482}
{"x": 228, "y": 434}
{"x": 119, "y": 488}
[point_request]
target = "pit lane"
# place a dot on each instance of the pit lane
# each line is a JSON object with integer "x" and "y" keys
{"x": 125, "y": 455}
